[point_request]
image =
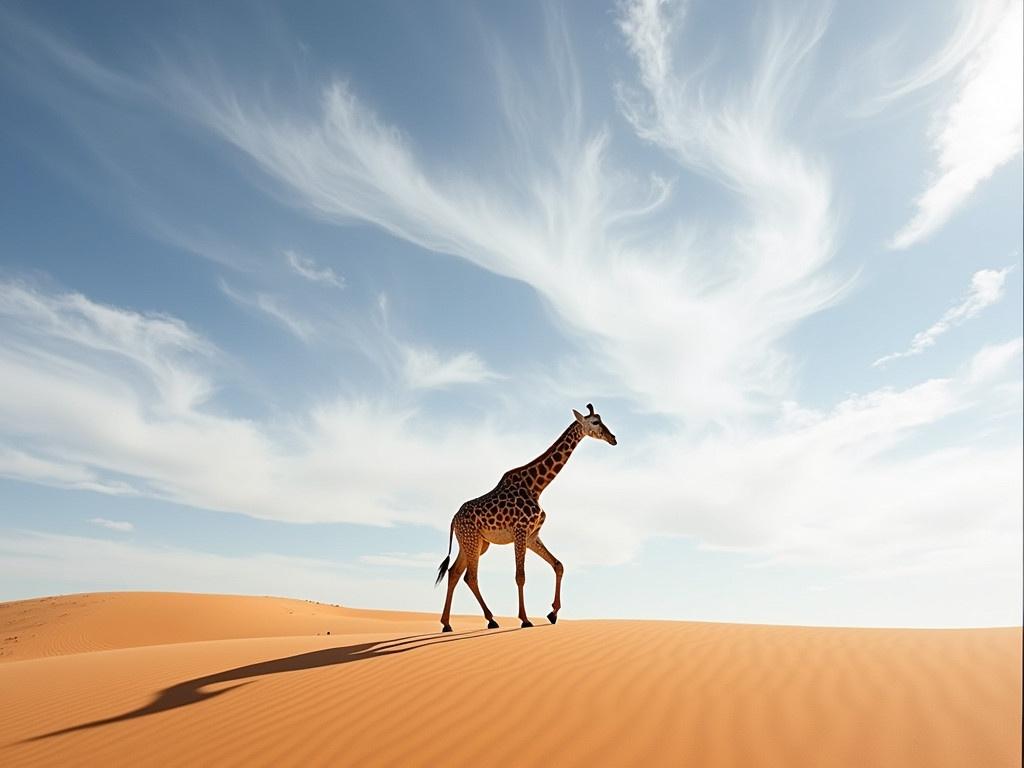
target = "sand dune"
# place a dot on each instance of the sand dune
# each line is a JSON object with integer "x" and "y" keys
{"x": 386, "y": 689}
{"x": 53, "y": 626}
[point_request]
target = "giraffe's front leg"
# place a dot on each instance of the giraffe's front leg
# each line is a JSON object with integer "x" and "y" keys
{"x": 520, "y": 541}
{"x": 538, "y": 546}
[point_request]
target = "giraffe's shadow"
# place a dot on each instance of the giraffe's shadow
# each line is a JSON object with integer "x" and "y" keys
{"x": 191, "y": 691}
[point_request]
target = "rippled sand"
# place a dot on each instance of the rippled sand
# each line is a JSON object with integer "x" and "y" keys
{"x": 177, "y": 679}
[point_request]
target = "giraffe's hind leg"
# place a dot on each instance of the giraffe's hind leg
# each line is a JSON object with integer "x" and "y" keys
{"x": 484, "y": 544}
{"x": 454, "y": 573}
{"x": 472, "y": 561}
{"x": 538, "y": 546}
{"x": 520, "y": 544}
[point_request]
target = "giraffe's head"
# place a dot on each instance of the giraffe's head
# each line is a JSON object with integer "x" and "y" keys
{"x": 593, "y": 426}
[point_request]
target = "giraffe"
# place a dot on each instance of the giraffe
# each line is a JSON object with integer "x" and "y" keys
{"x": 511, "y": 512}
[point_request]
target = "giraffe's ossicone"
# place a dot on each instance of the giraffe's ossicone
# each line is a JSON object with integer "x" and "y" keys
{"x": 511, "y": 513}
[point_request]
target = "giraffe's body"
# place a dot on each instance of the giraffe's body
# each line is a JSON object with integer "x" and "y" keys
{"x": 515, "y": 501}
{"x": 511, "y": 513}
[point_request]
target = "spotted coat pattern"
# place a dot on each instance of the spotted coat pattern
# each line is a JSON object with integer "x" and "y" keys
{"x": 514, "y": 504}
{"x": 511, "y": 513}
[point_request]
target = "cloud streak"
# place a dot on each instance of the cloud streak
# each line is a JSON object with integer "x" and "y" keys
{"x": 978, "y": 20}
{"x": 420, "y": 367}
{"x": 122, "y": 526}
{"x": 307, "y": 268}
{"x": 682, "y": 315}
{"x": 986, "y": 289}
{"x": 425, "y": 369}
{"x": 817, "y": 486}
{"x": 980, "y": 130}
{"x": 129, "y": 398}
{"x": 862, "y": 486}
{"x": 272, "y": 306}
{"x": 580, "y": 231}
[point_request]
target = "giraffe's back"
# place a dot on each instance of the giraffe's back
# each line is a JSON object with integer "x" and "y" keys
{"x": 497, "y": 513}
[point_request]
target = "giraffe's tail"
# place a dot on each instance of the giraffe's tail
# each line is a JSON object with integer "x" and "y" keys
{"x": 444, "y": 564}
{"x": 442, "y": 570}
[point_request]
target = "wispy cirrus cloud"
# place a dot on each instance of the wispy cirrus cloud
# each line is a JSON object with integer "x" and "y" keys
{"x": 420, "y": 367}
{"x": 986, "y": 289}
{"x": 159, "y": 347}
{"x": 773, "y": 256}
{"x": 833, "y": 486}
{"x": 977, "y": 21}
{"x": 992, "y": 359}
{"x": 18, "y": 465}
{"x": 274, "y": 308}
{"x": 682, "y": 316}
{"x": 816, "y": 486}
{"x": 982, "y": 127}
{"x": 98, "y": 394}
{"x": 425, "y": 369}
{"x": 580, "y": 231}
{"x": 123, "y": 526}
{"x": 308, "y": 268}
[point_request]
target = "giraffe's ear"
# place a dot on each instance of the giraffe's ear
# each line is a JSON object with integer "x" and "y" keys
{"x": 578, "y": 415}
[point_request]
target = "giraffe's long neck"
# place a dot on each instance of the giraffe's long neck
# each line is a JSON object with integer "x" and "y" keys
{"x": 541, "y": 471}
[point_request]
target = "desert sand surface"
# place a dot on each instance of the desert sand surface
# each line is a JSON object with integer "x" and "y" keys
{"x": 179, "y": 679}
{"x": 53, "y": 626}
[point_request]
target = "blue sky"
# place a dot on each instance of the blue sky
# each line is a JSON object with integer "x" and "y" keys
{"x": 281, "y": 287}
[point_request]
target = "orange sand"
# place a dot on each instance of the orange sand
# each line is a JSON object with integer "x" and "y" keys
{"x": 171, "y": 679}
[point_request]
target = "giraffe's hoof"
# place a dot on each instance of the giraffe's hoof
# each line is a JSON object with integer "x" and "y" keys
{"x": 552, "y": 617}
{"x": 492, "y": 624}
{"x": 446, "y": 628}
{"x": 526, "y": 624}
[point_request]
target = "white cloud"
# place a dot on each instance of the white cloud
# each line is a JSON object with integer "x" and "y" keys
{"x": 978, "y": 20}
{"x": 156, "y": 346}
{"x": 585, "y": 235}
{"x": 306, "y": 267}
{"x": 424, "y": 369}
{"x": 272, "y": 306}
{"x": 112, "y": 404}
{"x": 114, "y": 525}
{"x": 863, "y": 487}
{"x": 980, "y": 129}
{"x": 22, "y": 466}
{"x": 992, "y": 360}
{"x": 420, "y": 367}
{"x": 684, "y": 318}
{"x": 829, "y": 487}
{"x": 986, "y": 289}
